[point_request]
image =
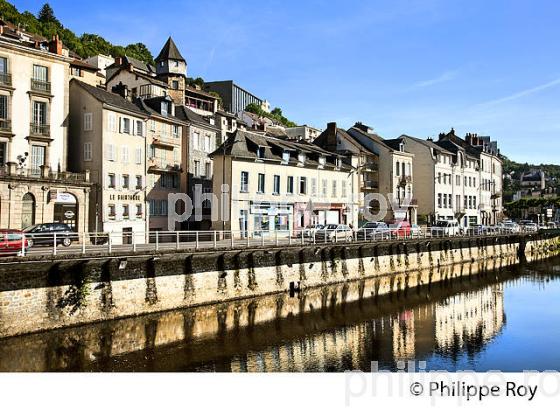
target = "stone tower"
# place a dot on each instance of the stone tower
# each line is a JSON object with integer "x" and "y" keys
{"x": 171, "y": 68}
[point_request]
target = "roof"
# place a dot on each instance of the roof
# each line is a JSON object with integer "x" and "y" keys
{"x": 111, "y": 99}
{"x": 427, "y": 143}
{"x": 186, "y": 114}
{"x": 144, "y": 106}
{"x": 80, "y": 63}
{"x": 242, "y": 145}
{"x": 170, "y": 52}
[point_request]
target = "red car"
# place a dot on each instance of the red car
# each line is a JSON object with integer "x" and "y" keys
{"x": 11, "y": 242}
{"x": 400, "y": 229}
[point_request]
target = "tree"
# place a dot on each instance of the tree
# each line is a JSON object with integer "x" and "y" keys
{"x": 46, "y": 14}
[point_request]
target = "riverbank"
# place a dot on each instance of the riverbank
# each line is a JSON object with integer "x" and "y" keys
{"x": 37, "y": 295}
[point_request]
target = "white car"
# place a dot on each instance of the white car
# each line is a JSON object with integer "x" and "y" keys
{"x": 445, "y": 228}
{"x": 334, "y": 233}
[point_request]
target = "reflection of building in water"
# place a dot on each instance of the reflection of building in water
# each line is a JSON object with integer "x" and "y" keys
{"x": 403, "y": 336}
{"x": 469, "y": 320}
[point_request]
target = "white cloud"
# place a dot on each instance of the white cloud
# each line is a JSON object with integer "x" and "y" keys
{"x": 444, "y": 77}
{"x": 523, "y": 93}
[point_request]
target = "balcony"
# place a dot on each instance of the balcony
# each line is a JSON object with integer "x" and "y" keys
{"x": 41, "y": 86}
{"x": 370, "y": 167}
{"x": 40, "y": 130}
{"x": 6, "y": 79}
{"x": 370, "y": 185}
{"x": 5, "y": 125}
{"x": 165, "y": 142}
{"x": 42, "y": 172}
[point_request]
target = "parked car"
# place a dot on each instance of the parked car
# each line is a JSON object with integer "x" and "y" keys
{"x": 400, "y": 229}
{"x": 44, "y": 234}
{"x": 445, "y": 228}
{"x": 551, "y": 225}
{"x": 12, "y": 242}
{"x": 510, "y": 227}
{"x": 309, "y": 231}
{"x": 530, "y": 227}
{"x": 334, "y": 233}
{"x": 415, "y": 231}
{"x": 373, "y": 230}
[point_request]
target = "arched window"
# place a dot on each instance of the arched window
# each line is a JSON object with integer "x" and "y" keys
{"x": 398, "y": 168}
{"x": 27, "y": 210}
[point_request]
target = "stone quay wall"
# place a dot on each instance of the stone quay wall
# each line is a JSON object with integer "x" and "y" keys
{"x": 44, "y": 294}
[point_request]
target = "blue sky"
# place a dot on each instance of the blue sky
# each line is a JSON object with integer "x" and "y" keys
{"x": 414, "y": 67}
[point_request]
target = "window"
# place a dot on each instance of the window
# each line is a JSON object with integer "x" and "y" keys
{"x": 458, "y": 180}
{"x": 126, "y": 213}
{"x": 110, "y": 152}
{"x": 244, "y": 181}
{"x": 111, "y": 211}
{"x": 334, "y": 189}
{"x": 343, "y": 188}
{"x": 3, "y": 66}
{"x": 260, "y": 152}
{"x": 301, "y": 159}
{"x": 207, "y": 143}
{"x": 37, "y": 158}
{"x": 3, "y": 153}
{"x": 457, "y": 200}
{"x": 197, "y": 169}
{"x": 125, "y": 126}
{"x": 196, "y": 139}
{"x": 40, "y": 73}
{"x": 398, "y": 170}
{"x": 450, "y": 199}
{"x": 125, "y": 181}
{"x": 285, "y": 157}
{"x": 322, "y": 161}
{"x": 175, "y": 84}
{"x": 39, "y": 113}
{"x": 3, "y": 110}
{"x": 276, "y": 185}
{"x": 164, "y": 108}
{"x": 125, "y": 155}
{"x": 466, "y": 202}
{"x": 313, "y": 186}
{"x": 445, "y": 200}
{"x": 324, "y": 188}
{"x": 88, "y": 121}
{"x": 139, "y": 128}
{"x": 112, "y": 122}
{"x": 138, "y": 156}
{"x": 261, "y": 186}
{"x": 76, "y": 71}
{"x": 439, "y": 178}
{"x": 87, "y": 151}
{"x": 138, "y": 209}
{"x": 439, "y": 200}
{"x": 290, "y": 185}
{"x": 111, "y": 181}
{"x": 303, "y": 185}
{"x": 138, "y": 181}
{"x": 176, "y": 131}
{"x": 208, "y": 170}
{"x": 474, "y": 202}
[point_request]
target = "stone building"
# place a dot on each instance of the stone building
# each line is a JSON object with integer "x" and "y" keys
{"x": 277, "y": 186}
{"x": 35, "y": 186}
{"x": 363, "y": 160}
{"x": 109, "y": 141}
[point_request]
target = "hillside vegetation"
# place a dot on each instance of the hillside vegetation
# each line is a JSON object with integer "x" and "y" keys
{"x": 46, "y": 24}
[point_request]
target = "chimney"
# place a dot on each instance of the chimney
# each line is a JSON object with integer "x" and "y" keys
{"x": 331, "y": 128}
{"x": 55, "y": 46}
{"x": 121, "y": 90}
{"x": 363, "y": 127}
{"x": 118, "y": 61}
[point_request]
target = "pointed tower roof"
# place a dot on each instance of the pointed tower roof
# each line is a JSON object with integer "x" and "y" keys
{"x": 170, "y": 52}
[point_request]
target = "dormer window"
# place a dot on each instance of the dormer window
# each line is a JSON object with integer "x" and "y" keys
{"x": 338, "y": 163}
{"x": 301, "y": 159}
{"x": 401, "y": 147}
{"x": 164, "y": 108}
{"x": 285, "y": 157}
{"x": 322, "y": 161}
{"x": 260, "y": 153}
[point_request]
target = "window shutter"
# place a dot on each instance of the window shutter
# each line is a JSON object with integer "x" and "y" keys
{"x": 120, "y": 125}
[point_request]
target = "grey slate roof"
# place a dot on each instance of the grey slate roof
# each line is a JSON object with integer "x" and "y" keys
{"x": 186, "y": 114}
{"x": 111, "y": 99}
{"x": 170, "y": 52}
{"x": 427, "y": 143}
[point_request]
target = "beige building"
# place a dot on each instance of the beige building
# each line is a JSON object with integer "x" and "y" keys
{"x": 34, "y": 184}
{"x": 281, "y": 186}
{"x": 109, "y": 141}
{"x": 396, "y": 175}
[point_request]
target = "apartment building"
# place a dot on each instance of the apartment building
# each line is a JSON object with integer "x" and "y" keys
{"x": 234, "y": 98}
{"x": 165, "y": 153}
{"x": 109, "y": 141}
{"x": 277, "y": 186}
{"x": 396, "y": 177}
{"x": 302, "y": 133}
{"x": 35, "y": 186}
{"x": 450, "y": 188}
{"x": 362, "y": 160}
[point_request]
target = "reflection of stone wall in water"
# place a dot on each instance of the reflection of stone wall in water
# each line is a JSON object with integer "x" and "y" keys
{"x": 32, "y": 296}
{"x": 316, "y": 330}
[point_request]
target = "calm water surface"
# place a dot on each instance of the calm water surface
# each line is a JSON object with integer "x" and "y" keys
{"x": 507, "y": 320}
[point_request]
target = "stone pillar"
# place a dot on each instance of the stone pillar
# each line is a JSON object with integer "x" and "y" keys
{"x": 45, "y": 171}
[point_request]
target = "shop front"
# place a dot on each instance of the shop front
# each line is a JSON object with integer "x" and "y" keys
{"x": 269, "y": 218}
{"x": 65, "y": 208}
{"x": 325, "y": 214}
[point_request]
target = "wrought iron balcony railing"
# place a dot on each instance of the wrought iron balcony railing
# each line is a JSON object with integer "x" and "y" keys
{"x": 42, "y": 130}
{"x": 41, "y": 86}
{"x": 5, "y": 79}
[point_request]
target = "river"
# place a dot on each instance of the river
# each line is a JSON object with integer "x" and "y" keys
{"x": 507, "y": 319}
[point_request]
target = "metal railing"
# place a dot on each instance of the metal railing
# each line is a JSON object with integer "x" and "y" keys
{"x": 92, "y": 243}
{"x": 41, "y": 86}
{"x": 43, "y": 130}
{"x": 6, "y": 79}
{"x": 5, "y": 125}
